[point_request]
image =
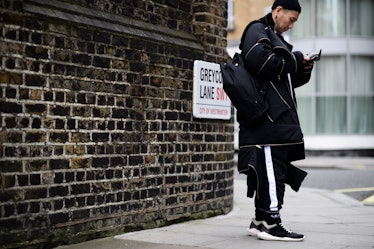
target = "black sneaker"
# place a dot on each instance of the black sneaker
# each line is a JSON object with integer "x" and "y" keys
{"x": 255, "y": 227}
{"x": 278, "y": 232}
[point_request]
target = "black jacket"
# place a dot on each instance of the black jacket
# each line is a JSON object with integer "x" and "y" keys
{"x": 269, "y": 56}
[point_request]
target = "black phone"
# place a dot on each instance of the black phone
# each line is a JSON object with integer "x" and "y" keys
{"x": 315, "y": 56}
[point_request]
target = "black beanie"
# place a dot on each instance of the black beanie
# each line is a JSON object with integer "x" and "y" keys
{"x": 287, "y": 4}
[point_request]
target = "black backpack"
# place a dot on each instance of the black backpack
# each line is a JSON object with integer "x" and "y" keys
{"x": 243, "y": 89}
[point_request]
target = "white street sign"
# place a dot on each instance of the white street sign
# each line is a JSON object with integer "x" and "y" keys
{"x": 209, "y": 98}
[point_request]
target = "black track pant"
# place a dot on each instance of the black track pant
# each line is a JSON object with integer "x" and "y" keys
{"x": 269, "y": 198}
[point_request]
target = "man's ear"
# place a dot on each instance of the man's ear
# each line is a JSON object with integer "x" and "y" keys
{"x": 277, "y": 10}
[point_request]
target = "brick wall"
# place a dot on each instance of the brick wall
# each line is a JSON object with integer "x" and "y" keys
{"x": 98, "y": 136}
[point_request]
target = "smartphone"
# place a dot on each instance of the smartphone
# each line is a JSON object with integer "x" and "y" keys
{"x": 315, "y": 56}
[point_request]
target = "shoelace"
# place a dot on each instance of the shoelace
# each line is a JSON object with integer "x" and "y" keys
{"x": 287, "y": 230}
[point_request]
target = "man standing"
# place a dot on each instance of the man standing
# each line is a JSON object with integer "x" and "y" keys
{"x": 268, "y": 145}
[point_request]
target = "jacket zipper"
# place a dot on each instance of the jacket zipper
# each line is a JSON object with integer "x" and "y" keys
{"x": 280, "y": 96}
{"x": 263, "y": 65}
{"x": 271, "y": 120}
{"x": 281, "y": 71}
{"x": 255, "y": 45}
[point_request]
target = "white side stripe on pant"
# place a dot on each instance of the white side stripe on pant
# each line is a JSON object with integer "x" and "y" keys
{"x": 271, "y": 179}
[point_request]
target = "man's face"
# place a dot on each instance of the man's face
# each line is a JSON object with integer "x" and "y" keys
{"x": 284, "y": 19}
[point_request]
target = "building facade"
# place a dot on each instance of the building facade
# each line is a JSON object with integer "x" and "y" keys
{"x": 97, "y": 132}
{"x": 336, "y": 107}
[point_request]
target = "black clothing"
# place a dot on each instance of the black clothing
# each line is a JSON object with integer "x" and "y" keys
{"x": 268, "y": 145}
{"x": 268, "y": 56}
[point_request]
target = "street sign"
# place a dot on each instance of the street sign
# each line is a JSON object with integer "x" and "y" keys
{"x": 209, "y": 98}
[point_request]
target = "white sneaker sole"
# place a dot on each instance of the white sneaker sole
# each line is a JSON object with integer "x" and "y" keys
{"x": 266, "y": 236}
{"x": 253, "y": 231}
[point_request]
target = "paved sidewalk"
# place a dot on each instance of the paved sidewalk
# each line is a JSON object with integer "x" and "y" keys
{"x": 328, "y": 219}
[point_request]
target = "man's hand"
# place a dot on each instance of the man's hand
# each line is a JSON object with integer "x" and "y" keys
{"x": 308, "y": 64}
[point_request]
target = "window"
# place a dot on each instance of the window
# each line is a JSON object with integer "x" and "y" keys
{"x": 339, "y": 100}
{"x": 362, "y": 18}
{"x": 331, "y": 91}
{"x": 362, "y": 95}
{"x": 306, "y": 110}
{"x": 362, "y": 115}
{"x": 333, "y": 103}
{"x": 361, "y": 75}
{"x": 331, "y": 75}
{"x": 330, "y": 17}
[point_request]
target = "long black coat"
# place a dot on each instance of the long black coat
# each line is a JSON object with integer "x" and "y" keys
{"x": 269, "y": 57}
